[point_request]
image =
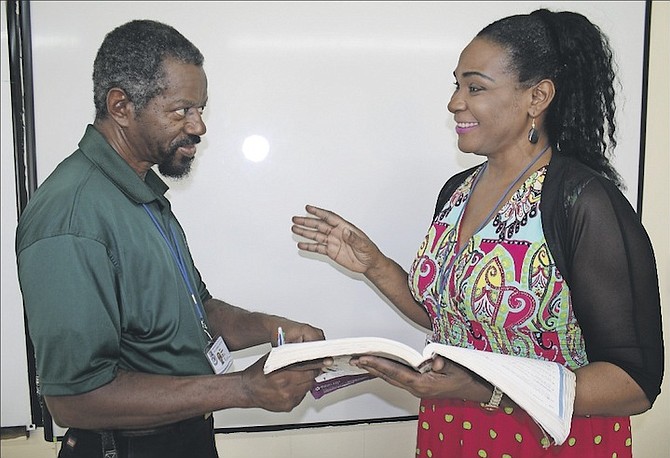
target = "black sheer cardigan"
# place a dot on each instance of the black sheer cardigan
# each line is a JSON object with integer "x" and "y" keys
{"x": 605, "y": 256}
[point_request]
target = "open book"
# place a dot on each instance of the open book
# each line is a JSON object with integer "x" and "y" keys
{"x": 544, "y": 389}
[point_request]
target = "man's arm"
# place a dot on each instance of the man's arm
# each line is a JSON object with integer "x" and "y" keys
{"x": 137, "y": 400}
{"x": 242, "y": 329}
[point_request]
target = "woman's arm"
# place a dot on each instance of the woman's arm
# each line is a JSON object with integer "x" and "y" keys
{"x": 607, "y": 390}
{"x": 344, "y": 243}
{"x": 614, "y": 292}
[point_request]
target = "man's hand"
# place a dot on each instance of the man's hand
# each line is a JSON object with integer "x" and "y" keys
{"x": 282, "y": 390}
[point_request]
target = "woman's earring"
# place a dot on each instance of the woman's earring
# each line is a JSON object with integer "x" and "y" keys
{"x": 533, "y": 135}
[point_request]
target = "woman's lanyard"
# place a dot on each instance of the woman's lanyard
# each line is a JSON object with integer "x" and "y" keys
{"x": 179, "y": 260}
{"x": 461, "y": 247}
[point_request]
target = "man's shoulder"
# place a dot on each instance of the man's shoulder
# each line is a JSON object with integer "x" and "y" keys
{"x": 66, "y": 199}
{"x": 64, "y": 182}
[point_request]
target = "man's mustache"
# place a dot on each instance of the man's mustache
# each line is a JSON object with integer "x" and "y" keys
{"x": 188, "y": 141}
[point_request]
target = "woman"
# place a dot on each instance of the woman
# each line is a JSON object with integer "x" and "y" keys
{"x": 535, "y": 252}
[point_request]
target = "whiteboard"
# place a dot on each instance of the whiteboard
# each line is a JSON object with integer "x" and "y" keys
{"x": 351, "y": 97}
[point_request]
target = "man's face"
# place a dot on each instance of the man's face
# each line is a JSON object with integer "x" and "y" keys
{"x": 166, "y": 131}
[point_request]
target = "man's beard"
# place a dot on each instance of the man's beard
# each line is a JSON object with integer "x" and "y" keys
{"x": 177, "y": 169}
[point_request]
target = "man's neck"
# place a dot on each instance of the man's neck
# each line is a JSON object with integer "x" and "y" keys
{"x": 115, "y": 136}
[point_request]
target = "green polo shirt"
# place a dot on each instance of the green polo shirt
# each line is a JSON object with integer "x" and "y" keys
{"x": 101, "y": 288}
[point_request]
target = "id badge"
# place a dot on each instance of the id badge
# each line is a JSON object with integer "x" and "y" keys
{"x": 219, "y": 356}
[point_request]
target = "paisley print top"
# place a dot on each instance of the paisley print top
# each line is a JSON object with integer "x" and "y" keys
{"x": 501, "y": 291}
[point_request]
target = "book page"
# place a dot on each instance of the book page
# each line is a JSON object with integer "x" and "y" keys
{"x": 544, "y": 389}
{"x": 542, "y": 377}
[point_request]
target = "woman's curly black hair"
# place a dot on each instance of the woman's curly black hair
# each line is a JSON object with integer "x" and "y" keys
{"x": 575, "y": 54}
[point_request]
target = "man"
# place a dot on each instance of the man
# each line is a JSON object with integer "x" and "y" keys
{"x": 128, "y": 340}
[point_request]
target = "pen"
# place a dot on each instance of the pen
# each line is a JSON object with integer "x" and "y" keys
{"x": 280, "y": 336}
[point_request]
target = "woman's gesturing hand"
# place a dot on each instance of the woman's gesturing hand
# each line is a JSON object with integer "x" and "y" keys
{"x": 336, "y": 238}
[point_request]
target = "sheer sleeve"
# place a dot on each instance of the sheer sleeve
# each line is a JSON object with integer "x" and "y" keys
{"x": 613, "y": 282}
{"x": 605, "y": 255}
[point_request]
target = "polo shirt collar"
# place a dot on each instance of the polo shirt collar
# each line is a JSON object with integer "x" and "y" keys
{"x": 96, "y": 148}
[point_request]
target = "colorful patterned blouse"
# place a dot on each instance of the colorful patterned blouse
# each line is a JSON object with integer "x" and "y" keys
{"x": 501, "y": 291}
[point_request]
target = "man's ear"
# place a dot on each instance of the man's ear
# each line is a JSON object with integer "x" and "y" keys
{"x": 541, "y": 96}
{"x": 119, "y": 107}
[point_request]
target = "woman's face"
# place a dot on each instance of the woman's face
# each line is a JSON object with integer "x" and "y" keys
{"x": 489, "y": 107}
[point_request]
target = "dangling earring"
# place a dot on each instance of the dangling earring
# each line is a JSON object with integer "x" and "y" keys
{"x": 533, "y": 135}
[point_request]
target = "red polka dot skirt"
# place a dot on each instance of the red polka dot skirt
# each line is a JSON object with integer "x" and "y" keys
{"x": 452, "y": 429}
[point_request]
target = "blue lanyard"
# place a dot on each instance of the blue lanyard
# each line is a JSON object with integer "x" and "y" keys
{"x": 179, "y": 260}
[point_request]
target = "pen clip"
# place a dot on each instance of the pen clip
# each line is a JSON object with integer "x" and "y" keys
{"x": 280, "y": 336}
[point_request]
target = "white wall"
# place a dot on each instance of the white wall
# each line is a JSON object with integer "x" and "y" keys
{"x": 650, "y": 430}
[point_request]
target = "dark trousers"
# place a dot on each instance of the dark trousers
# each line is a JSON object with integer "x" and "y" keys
{"x": 192, "y": 438}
